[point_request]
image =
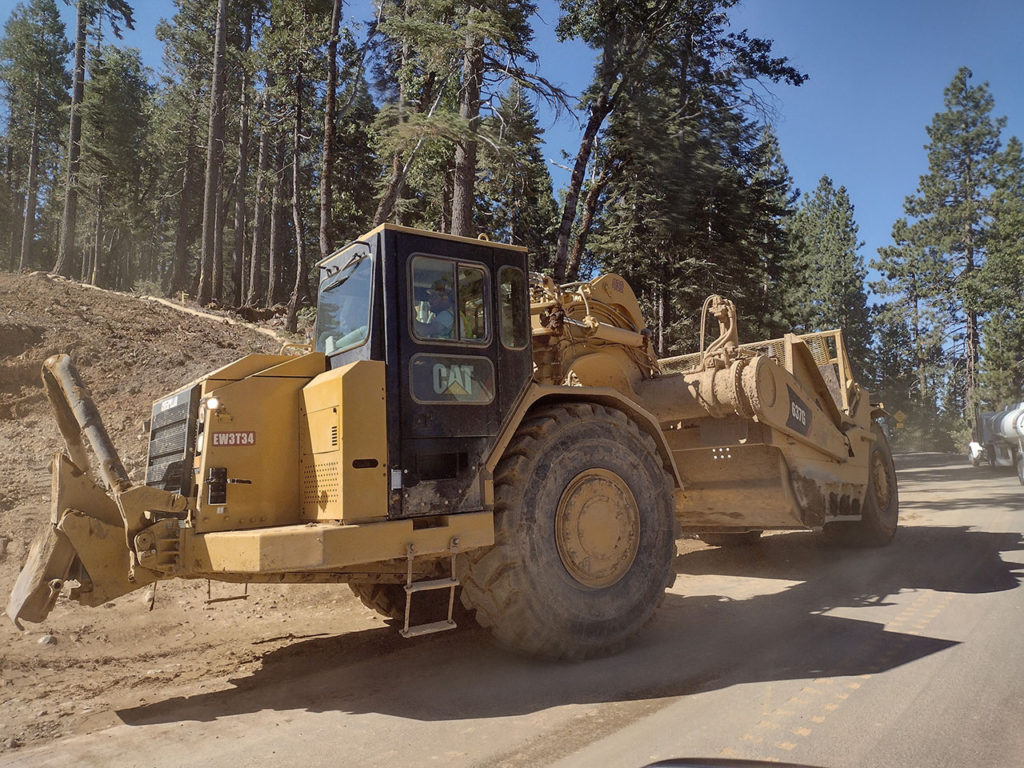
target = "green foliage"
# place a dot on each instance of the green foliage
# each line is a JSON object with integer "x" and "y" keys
{"x": 1000, "y": 285}
{"x": 117, "y": 162}
{"x": 954, "y": 271}
{"x": 831, "y": 292}
{"x": 33, "y": 88}
{"x": 515, "y": 201}
{"x": 950, "y": 212}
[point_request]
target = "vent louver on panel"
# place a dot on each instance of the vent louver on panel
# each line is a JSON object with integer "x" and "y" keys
{"x": 172, "y": 437}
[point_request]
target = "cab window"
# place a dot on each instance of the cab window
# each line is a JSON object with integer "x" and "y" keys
{"x": 449, "y": 301}
{"x": 343, "y": 308}
{"x": 514, "y": 320}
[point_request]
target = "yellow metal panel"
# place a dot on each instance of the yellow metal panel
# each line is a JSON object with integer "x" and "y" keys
{"x": 324, "y": 429}
{"x": 364, "y": 445}
{"x": 304, "y": 366}
{"x": 255, "y": 436}
{"x": 246, "y": 366}
{"x": 614, "y": 290}
{"x": 321, "y": 547}
{"x": 343, "y": 461}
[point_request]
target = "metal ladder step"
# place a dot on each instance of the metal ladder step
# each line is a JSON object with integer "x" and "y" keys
{"x": 424, "y": 586}
{"x": 427, "y": 629}
{"x": 411, "y": 587}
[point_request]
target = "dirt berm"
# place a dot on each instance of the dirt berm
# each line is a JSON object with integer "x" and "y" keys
{"x": 74, "y": 672}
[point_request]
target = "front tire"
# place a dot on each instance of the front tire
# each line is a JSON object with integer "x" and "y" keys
{"x": 881, "y": 508}
{"x": 584, "y": 536}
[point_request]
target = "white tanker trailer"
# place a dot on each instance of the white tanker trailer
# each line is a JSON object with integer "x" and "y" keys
{"x": 1001, "y": 439}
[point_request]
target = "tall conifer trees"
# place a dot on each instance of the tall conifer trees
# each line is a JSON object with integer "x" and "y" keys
{"x": 955, "y": 260}
{"x": 33, "y": 51}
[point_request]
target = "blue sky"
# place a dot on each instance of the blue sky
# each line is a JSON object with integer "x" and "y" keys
{"x": 877, "y": 72}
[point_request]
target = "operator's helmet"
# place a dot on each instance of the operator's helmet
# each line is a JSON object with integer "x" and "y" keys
{"x": 441, "y": 287}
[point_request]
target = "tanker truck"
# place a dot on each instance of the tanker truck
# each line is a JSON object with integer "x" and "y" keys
{"x": 461, "y": 428}
{"x": 1001, "y": 439}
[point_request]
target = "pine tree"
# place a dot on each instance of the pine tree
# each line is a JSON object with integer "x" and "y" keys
{"x": 773, "y": 198}
{"x": 515, "y": 203}
{"x": 832, "y": 293}
{"x": 1000, "y": 285}
{"x": 692, "y": 196}
{"x": 911, "y": 278}
{"x": 116, "y": 170}
{"x": 117, "y": 12}
{"x": 949, "y": 211}
{"x": 680, "y": 46}
{"x": 33, "y": 51}
{"x": 441, "y": 64}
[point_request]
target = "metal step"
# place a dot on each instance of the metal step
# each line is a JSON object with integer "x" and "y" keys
{"x": 424, "y": 586}
{"x": 427, "y": 629}
{"x": 411, "y": 587}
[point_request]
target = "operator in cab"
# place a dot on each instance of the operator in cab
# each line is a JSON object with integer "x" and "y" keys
{"x": 441, "y": 320}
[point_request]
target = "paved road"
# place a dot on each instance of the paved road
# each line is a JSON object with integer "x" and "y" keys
{"x": 904, "y": 657}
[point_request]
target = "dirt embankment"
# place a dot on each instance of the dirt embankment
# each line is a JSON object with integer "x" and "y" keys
{"x": 130, "y": 351}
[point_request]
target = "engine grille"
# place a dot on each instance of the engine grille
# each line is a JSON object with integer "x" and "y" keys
{"x": 172, "y": 439}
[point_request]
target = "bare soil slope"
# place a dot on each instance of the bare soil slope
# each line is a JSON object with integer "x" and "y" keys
{"x": 91, "y": 662}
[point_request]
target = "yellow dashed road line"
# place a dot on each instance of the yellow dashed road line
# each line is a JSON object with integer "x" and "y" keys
{"x": 817, "y": 701}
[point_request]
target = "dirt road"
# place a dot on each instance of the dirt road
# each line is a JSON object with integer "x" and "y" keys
{"x": 906, "y": 656}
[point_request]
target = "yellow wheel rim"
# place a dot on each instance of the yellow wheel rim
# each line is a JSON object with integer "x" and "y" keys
{"x": 597, "y": 528}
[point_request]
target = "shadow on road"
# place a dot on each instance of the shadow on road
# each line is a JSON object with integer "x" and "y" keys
{"x": 694, "y": 644}
{"x": 934, "y": 468}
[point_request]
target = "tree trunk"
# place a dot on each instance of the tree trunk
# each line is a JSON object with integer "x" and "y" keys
{"x": 447, "y": 194}
{"x": 259, "y": 215}
{"x": 572, "y": 267}
{"x": 66, "y": 262}
{"x": 13, "y": 240}
{"x": 94, "y": 277}
{"x": 183, "y": 226}
{"x": 28, "y": 228}
{"x": 392, "y": 192}
{"x": 463, "y": 197}
{"x": 218, "y": 246}
{"x": 241, "y": 175}
{"x": 214, "y": 160}
{"x": 300, "y": 290}
{"x": 276, "y": 227}
{"x": 396, "y": 181}
{"x": 327, "y": 160}
{"x": 601, "y": 107}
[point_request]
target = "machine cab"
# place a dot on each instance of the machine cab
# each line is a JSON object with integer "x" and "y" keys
{"x": 449, "y": 316}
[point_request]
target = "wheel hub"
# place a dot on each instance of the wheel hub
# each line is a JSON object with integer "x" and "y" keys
{"x": 597, "y": 528}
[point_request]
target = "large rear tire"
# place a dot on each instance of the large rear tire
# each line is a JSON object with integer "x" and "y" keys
{"x": 386, "y": 599}
{"x": 584, "y": 536}
{"x": 881, "y": 507}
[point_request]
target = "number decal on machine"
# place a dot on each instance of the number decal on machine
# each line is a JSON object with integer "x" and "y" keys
{"x": 799, "y": 414}
{"x": 227, "y": 439}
